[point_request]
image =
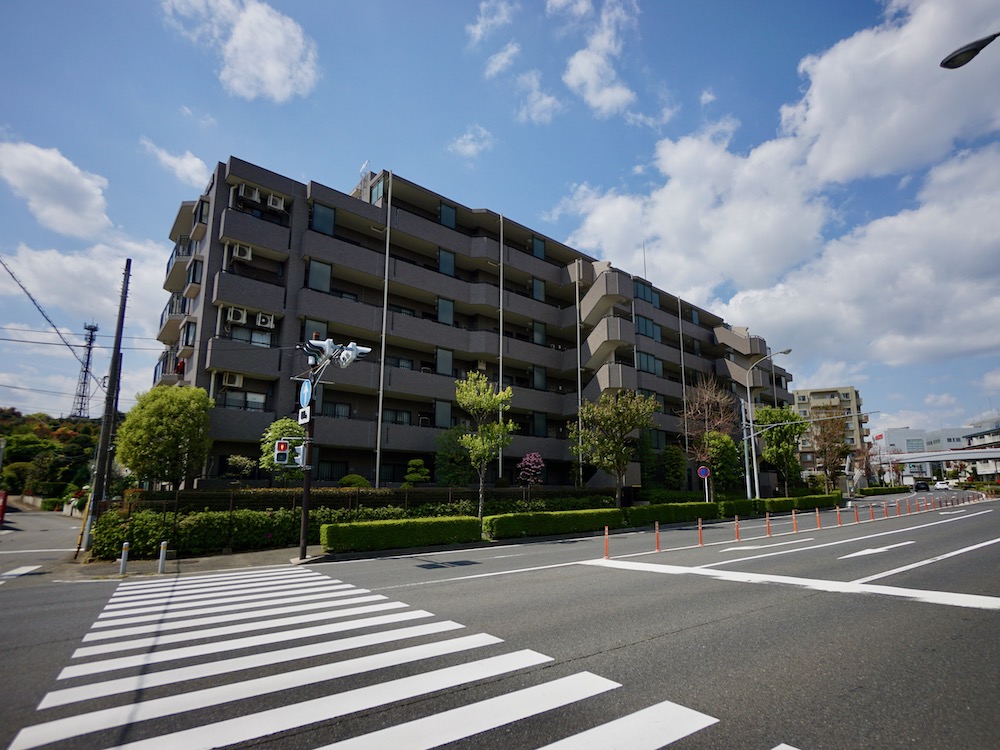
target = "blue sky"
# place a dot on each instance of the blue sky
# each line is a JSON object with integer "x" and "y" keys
{"x": 803, "y": 169}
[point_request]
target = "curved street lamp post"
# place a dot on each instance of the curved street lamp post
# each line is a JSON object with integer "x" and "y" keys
{"x": 750, "y": 434}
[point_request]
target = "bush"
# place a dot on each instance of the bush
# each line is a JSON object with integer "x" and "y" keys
{"x": 780, "y": 504}
{"x": 395, "y": 534}
{"x": 511, "y": 525}
{"x": 731, "y": 508}
{"x": 809, "y": 502}
{"x": 655, "y": 496}
{"x": 354, "y": 480}
{"x": 868, "y": 491}
{"x": 52, "y": 503}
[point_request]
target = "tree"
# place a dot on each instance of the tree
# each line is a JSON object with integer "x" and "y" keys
{"x": 281, "y": 428}
{"x": 165, "y": 435}
{"x": 416, "y": 473}
{"x": 486, "y": 405}
{"x": 452, "y": 467}
{"x": 781, "y": 428}
{"x": 723, "y": 460}
{"x": 709, "y": 408}
{"x": 831, "y": 450}
{"x": 602, "y": 438}
{"x": 673, "y": 465}
{"x": 529, "y": 471}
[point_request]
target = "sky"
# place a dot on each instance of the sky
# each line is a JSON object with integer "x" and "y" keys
{"x": 803, "y": 169}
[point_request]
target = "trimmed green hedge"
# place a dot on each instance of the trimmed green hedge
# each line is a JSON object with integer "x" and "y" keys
{"x": 732, "y": 508}
{"x": 809, "y": 502}
{"x": 866, "y": 491}
{"x": 414, "y": 532}
{"x": 645, "y": 515}
{"x": 512, "y": 525}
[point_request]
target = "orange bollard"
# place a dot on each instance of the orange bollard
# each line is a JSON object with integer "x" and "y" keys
{"x": 767, "y": 523}
{"x": 897, "y": 509}
{"x": 737, "y": 528}
{"x": 838, "y": 516}
{"x": 907, "y": 506}
{"x": 818, "y": 524}
{"x": 885, "y": 510}
{"x": 700, "y": 541}
{"x": 605, "y": 542}
{"x": 856, "y": 519}
{"x": 656, "y": 526}
{"x": 795, "y": 524}
{"x": 871, "y": 511}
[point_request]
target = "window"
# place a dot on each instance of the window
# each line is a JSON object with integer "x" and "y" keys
{"x": 539, "y": 424}
{"x": 442, "y": 414}
{"x": 644, "y": 291}
{"x": 252, "y": 336}
{"x": 188, "y": 331}
{"x": 194, "y": 272}
{"x": 402, "y": 310}
{"x": 803, "y": 398}
{"x": 446, "y": 311}
{"x": 649, "y": 363}
{"x": 400, "y": 362}
{"x": 694, "y": 317}
{"x": 538, "y": 289}
{"x": 335, "y": 409}
{"x": 242, "y": 400}
{"x": 314, "y": 326}
{"x": 319, "y": 275}
{"x": 447, "y": 214}
{"x": 807, "y": 456}
{"x": 538, "y": 334}
{"x": 446, "y": 262}
{"x": 321, "y": 218}
{"x": 538, "y": 247}
{"x": 376, "y": 192}
{"x": 646, "y": 327}
{"x": 396, "y": 416}
{"x": 538, "y": 379}
{"x": 444, "y": 362}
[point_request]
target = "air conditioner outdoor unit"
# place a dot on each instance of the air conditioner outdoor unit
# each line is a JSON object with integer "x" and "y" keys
{"x": 276, "y": 203}
{"x": 481, "y": 364}
{"x": 236, "y": 315}
{"x": 250, "y": 193}
{"x": 265, "y": 320}
{"x": 242, "y": 252}
{"x": 232, "y": 379}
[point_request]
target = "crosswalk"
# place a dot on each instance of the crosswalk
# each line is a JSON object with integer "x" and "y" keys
{"x": 215, "y": 660}
{"x": 17, "y": 572}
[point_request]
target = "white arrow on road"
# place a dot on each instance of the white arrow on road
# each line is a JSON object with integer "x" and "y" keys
{"x": 875, "y": 551}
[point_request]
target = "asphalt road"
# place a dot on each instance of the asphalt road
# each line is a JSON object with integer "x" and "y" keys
{"x": 880, "y": 634}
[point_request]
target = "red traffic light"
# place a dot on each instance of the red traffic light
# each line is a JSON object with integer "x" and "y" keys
{"x": 281, "y": 446}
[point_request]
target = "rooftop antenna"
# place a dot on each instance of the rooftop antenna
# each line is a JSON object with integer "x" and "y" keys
{"x": 81, "y": 404}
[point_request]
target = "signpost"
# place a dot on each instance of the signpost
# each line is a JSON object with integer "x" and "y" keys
{"x": 704, "y": 473}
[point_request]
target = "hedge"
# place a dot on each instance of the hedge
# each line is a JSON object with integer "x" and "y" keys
{"x": 413, "y": 532}
{"x": 644, "y": 515}
{"x": 511, "y": 525}
{"x": 866, "y": 491}
{"x": 732, "y": 508}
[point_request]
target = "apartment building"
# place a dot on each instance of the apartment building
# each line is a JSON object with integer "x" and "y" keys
{"x": 821, "y": 403}
{"x": 262, "y": 262}
{"x": 984, "y": 433}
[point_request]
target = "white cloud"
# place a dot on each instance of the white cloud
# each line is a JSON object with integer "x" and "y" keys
{"x": 473, "y": 142}
{"x": 940, "y": 400}
{"x": 590, "y": 72}
{"x": 264, "y": 53}
{"x": 187, "y": 167}
{"x": 493, "y": 15}
{"x": 537, "y": 107}
{"x": 990, "y": 382}
{"x": 502, "y": 60}
{"x": 60, "y": 195}
{"x": 665, "y": 115}
{"x": 707, "y": 97}
{"x": 574, "y": 8}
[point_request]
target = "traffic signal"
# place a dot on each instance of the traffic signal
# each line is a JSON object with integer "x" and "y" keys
{"x": 320, "y": 352}
{"x": 351, "y": 352}
{"x": 281, "y": 449}
{"x": 299, "y": 455}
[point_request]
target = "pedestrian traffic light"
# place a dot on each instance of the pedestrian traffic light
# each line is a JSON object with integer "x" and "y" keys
{"x": 299, "y": 455}
{"x": 281, "y": 449}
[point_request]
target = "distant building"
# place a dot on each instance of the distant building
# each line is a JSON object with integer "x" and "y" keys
{"x": 262, "y": 262}
{"x": 984, "y": 434}
{"x": 817, "y": 403}
{"x": 897, "y": 440}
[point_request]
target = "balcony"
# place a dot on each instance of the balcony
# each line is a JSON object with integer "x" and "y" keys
{"x": 170, "y": 319}
{"x": 239, "y": 425}
{"x": 748, "y": 346}
{"x": 239, "y": 356}
{"x": 165, "y": 371}
{"x": 610, "y": 288}
{"x": 269, "y": 240}
{"x": 176, "y": 273}
{"x": 243, "y": 291}
{"x": 610, "y": 333}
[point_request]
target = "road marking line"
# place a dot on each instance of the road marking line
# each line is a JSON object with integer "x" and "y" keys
{"x": 907, "y": 530}
{"x": 246, "y": 573}
{"x": 134, "y": 596}
{"x": 195, "y": 635}
{"x": 648, "y": 729}
{"x": 23, "y": 570}
{"x": 235, "y": 644}
{"x": 874, "y": 551}
{"x": 766, "y": 546}
{"x": 26, "y": 551}
{"x": 928, "y": 561}
{"x": 96, "y": 721}
{"x": 467, "y": 721}
{"x": 198, "y": 622}
{"x": 974, "y": 601}
{"x": 272, "y": 721}
{"x": 238, "y": 593}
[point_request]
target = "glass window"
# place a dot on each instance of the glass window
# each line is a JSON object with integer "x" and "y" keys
{"x": 538, "y": 289}
{"x": 646, "y": 327}
{"x": 649, "y": 363}
{"x": 396, "y": 416}
{"x": 694, "y": 317}
{"x": 538, "y": 379}
{"x": 194, "y": 272}
{"x": 319, "y": 276}
{"x": 377, "y": 191}
{"x": 538, "y": 334}
{"x": 444, "y": 361}
{"x": 255, "y": 401}
{"x": 446, "y": 262}
{"x": 442, "y": 414}
{"x": 538, "y": 247}
{"x": 314, "y": 326}
{"x": 448, "y": 215}
{"x": 644, "y": 291}
{"x": 321, "y": 218}
{"x": 540, "y": 424}
{"x": 446, "y": 311}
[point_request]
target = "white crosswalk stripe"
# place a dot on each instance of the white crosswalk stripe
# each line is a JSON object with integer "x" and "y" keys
{"x": 188, "y": 662}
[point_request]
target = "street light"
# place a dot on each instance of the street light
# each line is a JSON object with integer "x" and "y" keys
{"x": 962, "y": 55}
{"x": 753, "y": 444}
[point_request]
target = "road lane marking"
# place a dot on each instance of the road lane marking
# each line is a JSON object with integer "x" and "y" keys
{"x": 648, "y": 729}
{"x": 928, "y": 561}
{"x": 874, "y": 550}
{"x": 974, "y": 601}
{"x": 467, "y": 721}
{"x": 23, "y": 570}
{"x": 766, "y": 546}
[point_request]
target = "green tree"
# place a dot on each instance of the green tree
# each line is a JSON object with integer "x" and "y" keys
{"x": 780, "y": 429}
{"x": 486, "y": 405}
{"x": 281, "y": 428}
{"x": 708, "y": 408}
{"x": 673, "y": 464}
{"x": 723, "y": 460}
{"x": 831, "y": 450}
{"x": 165, "y": 435}
{"x": 416, "y": 473}
{"x": 602, "y": 438}
{"x": 452, "y": 466}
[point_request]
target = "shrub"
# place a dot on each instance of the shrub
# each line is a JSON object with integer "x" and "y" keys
{"x": 512, "y": 525}
{"x": 354, "y": 480}
{"x": 52, "y": 503}
{"x": 395, "y": 534}
{"x": 731, "y": 508}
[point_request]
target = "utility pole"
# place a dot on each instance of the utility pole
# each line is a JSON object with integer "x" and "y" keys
{"x": 110, "y": 407}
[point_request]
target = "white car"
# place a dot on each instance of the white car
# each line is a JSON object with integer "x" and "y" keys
{"x": 942, "y": 486}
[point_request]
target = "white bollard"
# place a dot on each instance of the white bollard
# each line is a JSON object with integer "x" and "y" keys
{"x": 121, "y": 570}
{"x": 163, "y": 558}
